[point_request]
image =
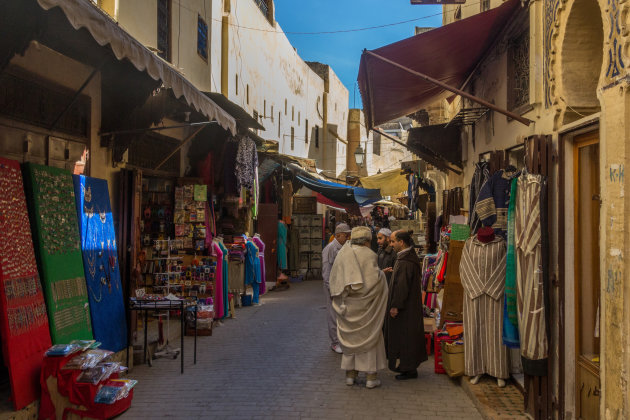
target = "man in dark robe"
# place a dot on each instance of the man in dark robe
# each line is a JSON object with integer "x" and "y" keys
{"x": 404, "y": 329}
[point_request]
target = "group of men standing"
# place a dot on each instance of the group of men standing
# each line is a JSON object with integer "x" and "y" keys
{"x": 374, "y": 303}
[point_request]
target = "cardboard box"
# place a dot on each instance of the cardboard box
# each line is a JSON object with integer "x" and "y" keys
{"x": 305, "y": 246}
{"x": 453, "y": 359}
{"x": 316, "y": 220}
{"x": 316, "y": 244}
{"x": 316, "y": 232}
{"x": 304, "y": 232}
{"x": 429, "y": 325}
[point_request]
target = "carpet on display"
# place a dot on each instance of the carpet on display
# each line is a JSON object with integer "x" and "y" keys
{"x": 23, "y": 318}
{"x": 50, "y": 194}
{"x": 100, "y": 261}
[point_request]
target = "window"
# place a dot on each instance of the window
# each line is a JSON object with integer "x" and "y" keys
{"x": 335, "y": 106}
{"x": 306, "y": 132}
{"x": 518, "y": 71}
{"x": 247, "y": 93}
{"x": 376, "y": 144}
{"x": 164, "y": 29}
{"x": 279, "y": 126}
{"x": 202, "y": 38}
{"x": 458, "y": 13}
{"x": 317, "y": 136}
{"x": 236, "y": 84}
{"x": 271, "y": 113}
{"x": 262, "y": 5}
{"x": 298, "y": 117}
{"x": 255, "y": 115}
{"x": 285, "y": 107}
{"x": 292, "y": 113}
{"x": 292, "y": 138}
{"x": 264, "y": 108}
{"x": 485, "y": 5}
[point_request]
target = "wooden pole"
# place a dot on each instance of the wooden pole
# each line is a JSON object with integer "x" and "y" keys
{"x": 186, "y": 140}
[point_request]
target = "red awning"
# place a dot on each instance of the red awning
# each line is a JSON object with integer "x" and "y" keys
{"x": 448, "y": 54}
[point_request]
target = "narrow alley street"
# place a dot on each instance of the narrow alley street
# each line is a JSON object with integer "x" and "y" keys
{"x": 273, "y": 361}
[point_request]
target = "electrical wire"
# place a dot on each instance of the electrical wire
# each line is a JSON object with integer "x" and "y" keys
{"x": 337, "y": 31}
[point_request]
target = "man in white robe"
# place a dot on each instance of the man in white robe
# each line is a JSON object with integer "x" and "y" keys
{"x": 359, "y": 293}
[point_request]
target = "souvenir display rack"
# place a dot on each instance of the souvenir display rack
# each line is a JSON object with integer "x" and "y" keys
{"x": 190, "y": 216}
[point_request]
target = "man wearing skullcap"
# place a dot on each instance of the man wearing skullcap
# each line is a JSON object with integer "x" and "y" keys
{"x": 386, "y": 254}
{"x": 359, "y": 292}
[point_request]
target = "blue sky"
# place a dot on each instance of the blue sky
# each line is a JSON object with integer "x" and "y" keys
{"x": 342, "y": 51}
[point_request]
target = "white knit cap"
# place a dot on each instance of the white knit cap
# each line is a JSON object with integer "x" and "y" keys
{"x": 361, "y": 232}
{"x": 385, "y": 232}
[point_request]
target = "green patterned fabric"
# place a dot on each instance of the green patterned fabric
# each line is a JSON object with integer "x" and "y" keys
{"x": 510, "y": 274}
{"x": 52, "y": 208}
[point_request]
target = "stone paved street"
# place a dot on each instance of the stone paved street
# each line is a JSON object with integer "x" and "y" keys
{"x": 273, "y": 361}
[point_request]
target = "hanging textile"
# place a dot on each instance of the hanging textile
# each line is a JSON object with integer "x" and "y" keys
{"x": 261, "y": 254}
{"x": 100, "y": 260}
{"x": 50, "y": 192}
{"x": 282, "y": 245}
{"x": 482, "y": 270}
{"x": 510, "y": 311}
{"x": 529, "y": 274}
{"x": 493, "y": 200}
{"x": 510, "y": 273}
{"x": 479, "y": 178}
{"x": 246, "y": 163}
{"x": 23, "y": 318}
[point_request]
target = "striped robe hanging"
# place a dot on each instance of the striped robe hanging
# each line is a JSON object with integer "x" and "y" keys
{"x": 529, "y": 272}
{"x": 482, "y": 271}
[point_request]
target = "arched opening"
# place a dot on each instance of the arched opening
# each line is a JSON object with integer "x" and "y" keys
{"x": 582, "y": 56}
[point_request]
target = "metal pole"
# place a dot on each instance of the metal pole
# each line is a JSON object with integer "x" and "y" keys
{"x": 142, "y": 130}
{"x": 186, "y": 140}
{"x": 466, "y": 95}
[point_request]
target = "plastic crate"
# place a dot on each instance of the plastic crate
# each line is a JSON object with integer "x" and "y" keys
{"x": 437, "y": 348}
{"x": 427, "y": 339}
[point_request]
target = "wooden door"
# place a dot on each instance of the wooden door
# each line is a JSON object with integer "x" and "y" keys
{"x": 587, "y": 280}
{"x": 268, "y": 229}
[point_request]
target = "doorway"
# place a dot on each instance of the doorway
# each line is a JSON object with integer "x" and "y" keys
{"x": 587, "y": 278}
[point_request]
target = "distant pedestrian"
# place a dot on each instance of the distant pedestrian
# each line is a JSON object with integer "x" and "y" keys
{"x": 359, "y": 292}
{"x": 404, "y": 327}
{"x": 342, "y": 234}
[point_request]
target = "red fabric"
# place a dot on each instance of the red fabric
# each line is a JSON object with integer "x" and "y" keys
{"x": 79, "y": 394}
{"x": 485, "y": 234}
{"x": 448, "y": 54}
{"x": 205, "y": 169}
{"x": 352, "y": 209}
{"x": 442, "y": 272}
{"x": 25, "y": 338}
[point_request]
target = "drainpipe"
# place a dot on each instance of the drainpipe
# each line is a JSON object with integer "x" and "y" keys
{"x": 225, "y": 47}
{"x": 116, "y": 9}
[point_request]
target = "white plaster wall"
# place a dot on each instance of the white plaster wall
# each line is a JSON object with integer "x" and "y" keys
{"x": 139, "y": 18}
{"x": 264, "y": 60}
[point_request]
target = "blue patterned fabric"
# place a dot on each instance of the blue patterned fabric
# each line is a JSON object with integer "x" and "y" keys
{"x": 100, "y": 261}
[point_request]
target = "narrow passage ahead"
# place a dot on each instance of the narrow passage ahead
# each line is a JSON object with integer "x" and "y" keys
{"x": 274, "y": 361}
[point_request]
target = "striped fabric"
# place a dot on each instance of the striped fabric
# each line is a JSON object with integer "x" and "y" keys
{"x": 529, "y": 273}
{"x": 482, "y": 271}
